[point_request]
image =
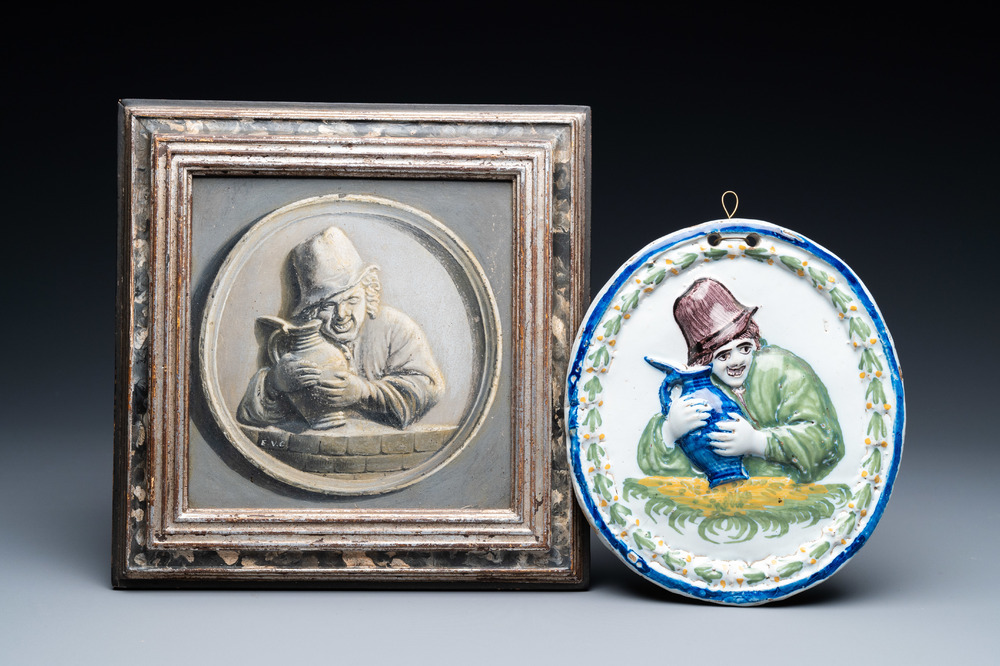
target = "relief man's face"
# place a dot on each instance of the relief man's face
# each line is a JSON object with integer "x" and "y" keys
{"x": 343, "y": 315}
{"x": 731, "y": 362}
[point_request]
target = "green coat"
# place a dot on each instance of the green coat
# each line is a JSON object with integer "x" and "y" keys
{"x": 782, "y": 397}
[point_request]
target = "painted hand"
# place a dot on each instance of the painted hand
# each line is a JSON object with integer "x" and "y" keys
{"x": 685, "y": 414}
{"x": 291, "y": 373}
{"x": 738, "y": 438}
{"x": 344, "y": 390}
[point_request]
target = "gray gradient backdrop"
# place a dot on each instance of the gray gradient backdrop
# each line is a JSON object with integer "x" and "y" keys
{"x": 876, "y": 138}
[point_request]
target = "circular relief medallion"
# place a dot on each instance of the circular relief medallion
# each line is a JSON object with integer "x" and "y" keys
{"x": 735, "y": 413}
{"x": 350, "y": 345}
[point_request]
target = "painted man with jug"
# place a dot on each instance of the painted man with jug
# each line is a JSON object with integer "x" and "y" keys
{"x": 787, "y": 426}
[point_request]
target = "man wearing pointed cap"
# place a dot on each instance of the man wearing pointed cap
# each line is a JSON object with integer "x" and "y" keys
{"x": 393, "y": 378}
{"x": 788, "y": 427}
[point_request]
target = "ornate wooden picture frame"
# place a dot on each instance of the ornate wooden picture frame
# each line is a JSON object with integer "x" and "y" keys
{"x": 341, "y": 345}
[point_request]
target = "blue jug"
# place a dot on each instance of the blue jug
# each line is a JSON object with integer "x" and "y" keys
{"x": 696, "y": 444}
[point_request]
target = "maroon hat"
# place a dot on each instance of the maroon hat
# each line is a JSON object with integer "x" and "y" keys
{"x": 709, "y": 316}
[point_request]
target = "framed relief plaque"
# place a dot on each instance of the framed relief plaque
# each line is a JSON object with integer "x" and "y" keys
{"x": 342, "y": 333}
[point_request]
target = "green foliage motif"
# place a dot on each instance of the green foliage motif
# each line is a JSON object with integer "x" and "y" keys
{"x": 673, "y": 563}
{"x": 819, "y": 278}
{"x": 869, "y": 361}
{"x": 875, "y": 392}
{"x": 792, "y": 263}
{"x": 630, "y": 301}
{"x": 592, "y": 420}
{"x": 643, "y": 540}
{"x": 876, "y": 426}
{"x": 656, "y": 277}
{"x": 873, "y": 463}
{"x": 820, "y": 550}
{"x": 686, "y": 260}
{"x": 593, "y": 387}
{"x": 789, "y": 569}
{"x": 601, "y": 357}
{"x": 603, "y": 486}
{"x": 847, "y": 524}
{"x": 840, "y": 299}
{"x": 612, "y": 326}
{"x": 708, "y": 573}
{"x": 858, "y": 328}
{"x": 618, "y": 513}
{"x": 863, "y": 499}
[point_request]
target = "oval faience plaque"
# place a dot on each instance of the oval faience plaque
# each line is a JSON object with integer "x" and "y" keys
{"x": 735, "y": 413}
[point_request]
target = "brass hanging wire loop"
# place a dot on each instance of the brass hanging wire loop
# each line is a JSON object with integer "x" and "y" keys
{"x": 735, "y": 206}
{"x": 714, "y": 238}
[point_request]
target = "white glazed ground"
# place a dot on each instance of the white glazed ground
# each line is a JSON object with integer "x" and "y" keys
{"x": 793, "y": 314}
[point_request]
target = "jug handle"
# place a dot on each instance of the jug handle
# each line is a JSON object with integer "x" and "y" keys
{"x": 673, "y": 378}
{"x": 279, "y": 330}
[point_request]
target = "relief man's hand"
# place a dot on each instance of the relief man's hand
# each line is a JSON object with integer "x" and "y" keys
{"x": 292, "y": 373}
{"x": 686, "y": 413}
{"x": 345, "y": 389}
{"x": 738, "y": 438}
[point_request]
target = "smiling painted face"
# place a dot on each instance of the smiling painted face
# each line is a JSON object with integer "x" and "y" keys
{"x": 343, "y": 315}
{"x": 731, "y": 362}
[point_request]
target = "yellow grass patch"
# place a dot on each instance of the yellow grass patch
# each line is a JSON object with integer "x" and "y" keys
{"x": 760, "y": 493}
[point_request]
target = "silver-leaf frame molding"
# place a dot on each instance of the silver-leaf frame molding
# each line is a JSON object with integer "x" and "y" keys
{"x": 159, "y": 538}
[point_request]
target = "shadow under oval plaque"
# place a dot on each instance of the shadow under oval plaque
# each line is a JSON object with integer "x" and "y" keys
{"x": 350, "y": 345}
{"x": 735, "y": 413}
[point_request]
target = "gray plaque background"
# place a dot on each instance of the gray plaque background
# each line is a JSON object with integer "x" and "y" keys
{"x": 480, "y": 213}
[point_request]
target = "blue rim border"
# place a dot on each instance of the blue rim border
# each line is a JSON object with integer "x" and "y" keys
{"x": 594, "y": 316}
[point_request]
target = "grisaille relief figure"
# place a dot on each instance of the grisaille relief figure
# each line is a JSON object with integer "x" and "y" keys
{"x": 350, "y": 345}
{"x": 347, "y": 378}
{"x": 344, "y": 353}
